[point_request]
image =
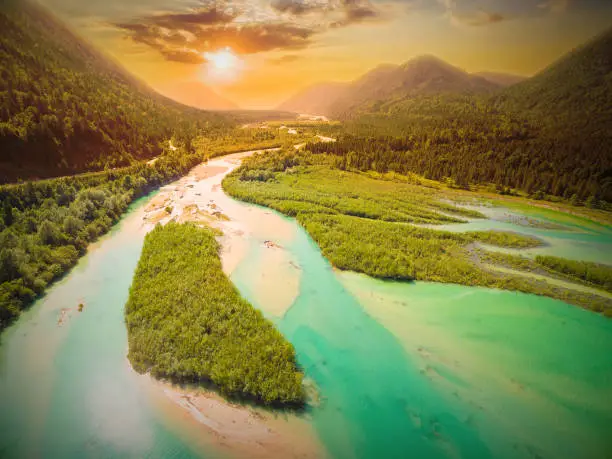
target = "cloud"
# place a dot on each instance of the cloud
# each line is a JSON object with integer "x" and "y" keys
{"x": 246, "y": 29}
{"x": 357, "y": 11}
{"x": 172, "y": 45}
{"x": 256, "y": 38}
{"x": 480, "y": 18}
{"x": 555, "y": 6}
{"x": 196, "y": 18}
{"x": 185, "y": 37}
{"x": 464, "y": 14}
{"x": 298, "y": 7}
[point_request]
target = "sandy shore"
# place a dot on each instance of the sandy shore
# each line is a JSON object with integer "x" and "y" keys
{"x": 214, "y": 425}
{"x": 205, "y": 418}
{"x": 198, "y": 197}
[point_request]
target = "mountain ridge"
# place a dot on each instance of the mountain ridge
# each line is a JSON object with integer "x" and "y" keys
{"x": 425, "y": 74}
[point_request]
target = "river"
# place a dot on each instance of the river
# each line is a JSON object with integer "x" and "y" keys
{"x": 401, "y": 369}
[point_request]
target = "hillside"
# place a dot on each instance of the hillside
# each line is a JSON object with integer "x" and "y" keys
{"x": 196, "y": 94}
{"x": 316, "y": 99}
{"x": 575, "y": 91}
{"x": 549, "y": 135}
{"x": 425, "y": 75}
{"x": 65, "y": 108}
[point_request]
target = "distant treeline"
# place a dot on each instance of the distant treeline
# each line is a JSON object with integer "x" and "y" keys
{"x": 187, "y": 322}
{"x": 468, "y": 140}
{"x": 594, "y": 273}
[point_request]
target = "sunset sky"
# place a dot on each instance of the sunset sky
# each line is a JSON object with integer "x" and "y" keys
{"x": 259, "y": 52}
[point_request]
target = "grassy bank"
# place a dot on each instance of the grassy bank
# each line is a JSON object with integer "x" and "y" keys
{"x": 373, "y": 226}
{"x": 187, "y": 322}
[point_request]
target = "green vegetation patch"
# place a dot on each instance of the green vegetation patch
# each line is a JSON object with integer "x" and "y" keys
{"x": 362, "y": 224}
{"x": 187, "y": 322}
{"x": 593, "y": 273}
{"x": 377, "y": 226}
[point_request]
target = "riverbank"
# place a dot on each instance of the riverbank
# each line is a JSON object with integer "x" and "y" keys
{"x": 198, "y": 197}
{"x": 234, "y": 430}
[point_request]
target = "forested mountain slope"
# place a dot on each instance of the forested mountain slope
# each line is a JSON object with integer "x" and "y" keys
{"x": 575, "y": 91}
{"x": 65, "y": 108}
{"x": 419, "y": 76}
{"x": 424, "y": 75}
{"x": 549, "y": 135}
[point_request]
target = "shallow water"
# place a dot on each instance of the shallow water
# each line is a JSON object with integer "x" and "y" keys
{"x": 421, "y": 370}
{"x": 435, "y": 370}
{"x": 573, "y": 237}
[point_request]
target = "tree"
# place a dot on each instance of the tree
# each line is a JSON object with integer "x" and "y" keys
{"x": 8, "y": 213}
{"x": 48, "y": 233}
{"x": 591, "y": 202}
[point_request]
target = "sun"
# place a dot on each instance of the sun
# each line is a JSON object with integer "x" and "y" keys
{"x": 223, "y": 59}
{"x": 221, "y": 67}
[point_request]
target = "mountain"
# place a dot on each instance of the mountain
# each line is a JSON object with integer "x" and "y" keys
{"x": 501, "y": 79}
{"x": 316, "y": 99}
{"x": 66, "y": 108}
{"x": 576, "y": 90}
{"x": 419, "y": 76}
{"x": 548, "y": 135}
{"x": 197, "y": 94}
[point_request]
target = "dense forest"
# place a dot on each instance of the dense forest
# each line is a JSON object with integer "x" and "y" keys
{"x": 466, "y": 141}
{"x": 64, "y": 108}
{"x": 375, "y": 226}
{"x": 187, "y": 322}
{"x": 46, "y": 225}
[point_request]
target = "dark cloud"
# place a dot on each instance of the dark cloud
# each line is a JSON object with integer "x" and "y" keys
{"x": 184, "y": 37}
{"x": 256, "y": 38}
{"x": 296, "y": 7}
{"x": 181, "y": 38}
{"x": 357, "y": 11}
{"x": 198, "y": 17}
{"x": 172, "y": 45}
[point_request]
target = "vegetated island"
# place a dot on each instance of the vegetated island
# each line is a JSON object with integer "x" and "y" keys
{"x": 187, "y": 322}
{"x": 372, "y": 223}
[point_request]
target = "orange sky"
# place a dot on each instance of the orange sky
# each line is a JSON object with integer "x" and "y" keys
{"x": 282, "y": 46}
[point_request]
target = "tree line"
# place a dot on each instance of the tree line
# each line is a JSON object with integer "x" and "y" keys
{"x": 471, "y": 140}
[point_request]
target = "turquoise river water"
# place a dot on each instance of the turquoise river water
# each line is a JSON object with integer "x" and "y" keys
{"x": 402, "y": 369}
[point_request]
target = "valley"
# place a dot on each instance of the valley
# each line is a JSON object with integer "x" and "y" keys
{"x": 415, "y": 261}
{"x": 340, "y": 324}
